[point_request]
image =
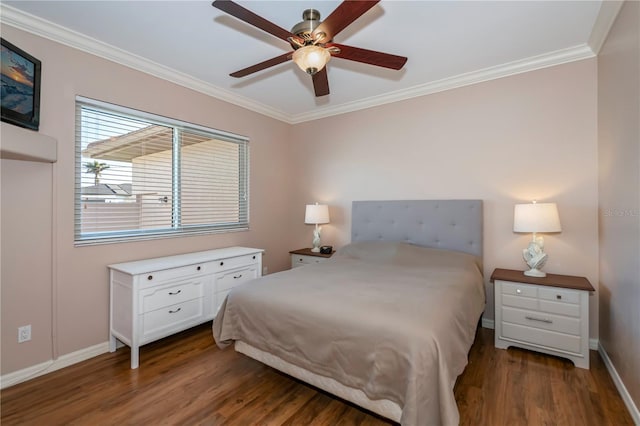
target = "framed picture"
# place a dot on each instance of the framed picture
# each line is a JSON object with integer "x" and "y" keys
{"x": 20, "y": 95}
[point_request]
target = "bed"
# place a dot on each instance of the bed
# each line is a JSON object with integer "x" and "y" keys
{"x": 386, "y": 323}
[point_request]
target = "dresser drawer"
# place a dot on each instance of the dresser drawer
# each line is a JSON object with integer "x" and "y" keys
{"x": 156, "y": 278}
{"x": 220, "y": 297}
{"x": 158, "y": 297}
{"x": 560, "y": 324}
{"x": 235, "y": 262}
{"x": 228, "y": 280}
{"x": 172, "y": 318}
{"x": 543, "y": 338}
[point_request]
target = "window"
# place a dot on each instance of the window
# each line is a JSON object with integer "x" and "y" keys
{"x": 142, "y": 176}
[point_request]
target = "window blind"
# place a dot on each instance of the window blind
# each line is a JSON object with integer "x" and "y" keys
{"x": 141, "y": 176}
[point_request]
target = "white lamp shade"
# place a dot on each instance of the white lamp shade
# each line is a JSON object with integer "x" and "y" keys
{"x": 316, "y": 214}
{"x": 311, "y": 59}
{"x": 536, "y": 217}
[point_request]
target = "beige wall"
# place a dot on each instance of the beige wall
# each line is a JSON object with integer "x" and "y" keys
{"x": 525, "y": 137}
{"x": 74, "y": 315}
{"x": 530, "y": 136}
{"x": 26, "y": 252}
{"x": 619, "y": 196}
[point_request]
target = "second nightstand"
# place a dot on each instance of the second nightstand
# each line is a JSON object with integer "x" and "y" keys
{"x": 306, "y": 257}
{"x": 549, "y": 315}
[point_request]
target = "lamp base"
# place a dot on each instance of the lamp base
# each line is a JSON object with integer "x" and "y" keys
{"x": 316, "y": 250}
{"x": 533, "y": 272}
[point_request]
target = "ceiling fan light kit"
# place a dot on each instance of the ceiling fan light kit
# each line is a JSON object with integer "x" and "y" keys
{"x": 311, "y": 59}
{"x": 312, "y": 41}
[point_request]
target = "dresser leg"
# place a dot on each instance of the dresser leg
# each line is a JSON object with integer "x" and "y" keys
{"x": 134, "y": 357}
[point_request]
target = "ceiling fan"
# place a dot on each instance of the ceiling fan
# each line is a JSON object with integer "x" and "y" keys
{"x": 312, "y": 41}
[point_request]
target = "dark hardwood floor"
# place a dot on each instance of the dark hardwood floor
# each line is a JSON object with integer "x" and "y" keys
{"x": 186, "y": 380}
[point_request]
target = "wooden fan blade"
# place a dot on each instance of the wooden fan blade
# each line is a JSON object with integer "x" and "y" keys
{"x": 342, "y": 16}
{"x": 370, "y": 57}
{"x": 321, "y": 82}
{"x": 251, "y": 18}
{"x": 262, "y": 65}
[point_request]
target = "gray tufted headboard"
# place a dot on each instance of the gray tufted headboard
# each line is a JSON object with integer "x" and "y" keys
{"x": 446, "y": 224}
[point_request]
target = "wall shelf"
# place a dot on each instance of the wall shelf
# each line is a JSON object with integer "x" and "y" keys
{"x": 17, "y": 143}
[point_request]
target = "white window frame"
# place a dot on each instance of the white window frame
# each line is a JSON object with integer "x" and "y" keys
{"x": 176, "y": 229}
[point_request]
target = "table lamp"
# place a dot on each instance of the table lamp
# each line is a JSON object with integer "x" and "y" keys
{"x": 316, "y": 214}
{"x": 536, "y": 217}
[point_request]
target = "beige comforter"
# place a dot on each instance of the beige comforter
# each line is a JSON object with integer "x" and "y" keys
{"x": 392, "y": 319}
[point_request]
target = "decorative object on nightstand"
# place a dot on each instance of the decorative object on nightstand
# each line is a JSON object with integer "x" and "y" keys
{"x": 306, "y": 256}
{"x": 536, "y": 217}
{"x": 316, "y": 214}
{"x": 548, "y": 314}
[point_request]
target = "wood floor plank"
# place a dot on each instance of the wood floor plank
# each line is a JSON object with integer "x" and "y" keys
{"x": 186, "y": 380}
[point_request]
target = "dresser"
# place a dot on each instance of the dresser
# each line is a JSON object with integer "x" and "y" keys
{"x": 305, "y": 256}
{"x": 154, "y": 298}
{"x": 548, "y": 315}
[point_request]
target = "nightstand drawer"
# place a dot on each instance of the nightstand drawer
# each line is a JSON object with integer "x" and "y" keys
{"x": 559, "y": 308}
{"x": 557, "y": 295}
{"x": 544, "y": 338}
{"x": 560, "y": 324}
{"x": 301, "y": 260}
{"x": 517, "y": 289}
{"x": 519, "y": 302}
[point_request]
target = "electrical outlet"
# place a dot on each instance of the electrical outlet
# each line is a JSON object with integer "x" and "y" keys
{"x": 265, "y": 271}
{"x": 24, "y": 333}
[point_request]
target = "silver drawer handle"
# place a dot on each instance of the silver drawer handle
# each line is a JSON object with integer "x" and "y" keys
{"x": 518, "y": 291}
{"x": 173, "y": 293}
{"x": 177, "y": 310}
{"x": 548, "y": 321}
{"x": 235, "y": 277}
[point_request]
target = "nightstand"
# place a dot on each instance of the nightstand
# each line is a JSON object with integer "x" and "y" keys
{"x": 548, "y": 315}
{"x": 306, "y": 257}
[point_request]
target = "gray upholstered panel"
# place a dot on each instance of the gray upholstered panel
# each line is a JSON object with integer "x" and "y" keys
{"x": 446, "y": 224}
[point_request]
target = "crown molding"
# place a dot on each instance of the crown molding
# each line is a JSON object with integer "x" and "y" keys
{"x": 38, "y": 26}
{"x": 609, "y": 10}
{"x": 49, "y": 30}
{"x": 558, "y": 57}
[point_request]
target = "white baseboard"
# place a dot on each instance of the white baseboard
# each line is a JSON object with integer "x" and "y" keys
{"x": 34, "y": 371}
{"x": 624, "y": 393}
{"x": 488, "y": 323}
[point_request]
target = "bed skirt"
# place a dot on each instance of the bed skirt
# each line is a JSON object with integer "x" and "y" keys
{"x": 382, "y": 407}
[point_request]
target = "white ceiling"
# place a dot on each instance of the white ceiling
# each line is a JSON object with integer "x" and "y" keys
{"x": 448, "y": 43}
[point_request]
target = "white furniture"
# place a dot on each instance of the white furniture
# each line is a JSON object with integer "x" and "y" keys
{"x": 307, "y": 257}
{"x": 549, "y": 315}
{"x": 154, "y": 298}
